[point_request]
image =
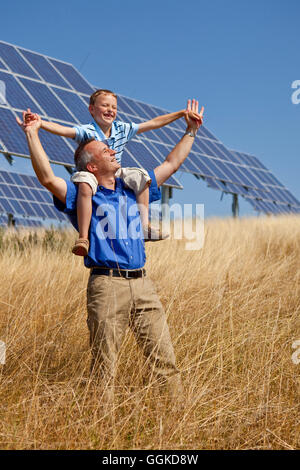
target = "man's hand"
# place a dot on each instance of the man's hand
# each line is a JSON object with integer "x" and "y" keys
{"x": 193, "y": 118}
{"x": 29, "y": 116}
{"x": 33, "y": 122}
{"x": 40, "y": 163}
{"x": 181, "y": 150}
{"x": 30, "y": 121}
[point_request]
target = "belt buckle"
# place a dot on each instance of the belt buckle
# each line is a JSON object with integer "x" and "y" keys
{"x": 127, "y": 274}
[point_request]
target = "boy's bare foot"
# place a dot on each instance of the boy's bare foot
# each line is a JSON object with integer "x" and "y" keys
{"x": 81, "y": 247}
{"x": 152, "y": 234}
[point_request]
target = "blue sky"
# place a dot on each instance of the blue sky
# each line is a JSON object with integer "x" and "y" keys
{"x": 238, "y": 57}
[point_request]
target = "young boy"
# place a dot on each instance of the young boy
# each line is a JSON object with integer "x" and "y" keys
{"x": 103, "y": 108}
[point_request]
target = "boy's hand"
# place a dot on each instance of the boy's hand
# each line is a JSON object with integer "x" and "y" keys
{"x": 193, "y": 118}
{"x": 30, "y": 121}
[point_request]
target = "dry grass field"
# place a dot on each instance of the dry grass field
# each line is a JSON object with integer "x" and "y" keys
{"x": 233, "y": 310}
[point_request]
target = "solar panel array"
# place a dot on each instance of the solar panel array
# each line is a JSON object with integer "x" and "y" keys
{"x": 59, "y": 93}
{"x": 51, "y": 88}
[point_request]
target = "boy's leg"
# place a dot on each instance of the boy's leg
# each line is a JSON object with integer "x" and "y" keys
{"x": 84, "y": 209}
{"x": 84, "y": 214}
{"x": 143, "y": 202}
{"x": 150, "y": 233}
{"x": 87, "y": 187}
{"x": 139, "y": 181}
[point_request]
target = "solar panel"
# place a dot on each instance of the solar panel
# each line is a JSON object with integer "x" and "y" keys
{"x": 272, "y": 197}
{"x": 137, "y": 109}
{"x": 14, "y": 61}
{"x": 48, "y": 102}
{"x": 23, "y": 196}
{"x": 11, "y": 135}
{"x": 72, "y": 76}
{"x": 58, "y": 148}
{"x": 2, "y": 65}
{"x": 249, "y": 160}
{"x": 45, "y": 69}
{"x": 74, "y": 103}
{"x": 16, "y": 95}
{"x": 215, "y": 184}
{"x": 123, "y": 107}
{"x": 148, "y": 109}
{"x": 3, "y": 221}
{"x": 137, "y": 154}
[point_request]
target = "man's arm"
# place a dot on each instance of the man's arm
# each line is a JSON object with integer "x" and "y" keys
{"x": 39, "y": 159}
{"x": 52, "y": 127}
{"x": 160, "y": 121}
{"x": 181, "y": 150}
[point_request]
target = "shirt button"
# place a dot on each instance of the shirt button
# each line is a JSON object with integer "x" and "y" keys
{"x": 131, "y": 257}
{"x": 126, "y": 243}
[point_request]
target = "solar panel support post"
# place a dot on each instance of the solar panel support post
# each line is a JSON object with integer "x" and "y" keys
{"x": 235, "y": 205}
{"x": 165, "y": 197}
{"x": 9, "y": 158}
{"x": 11, "y": 220}
{"x": 69, "y": 169}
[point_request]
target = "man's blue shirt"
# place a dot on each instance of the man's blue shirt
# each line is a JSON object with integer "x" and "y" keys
{"x": 116, "y": 239}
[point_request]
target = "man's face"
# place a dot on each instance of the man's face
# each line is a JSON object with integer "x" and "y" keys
{"x": 104, "y": 110}
{"x": 104, "y": 160}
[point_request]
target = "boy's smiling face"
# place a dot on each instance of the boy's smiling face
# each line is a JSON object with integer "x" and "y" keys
{"x": 104, "y": 110}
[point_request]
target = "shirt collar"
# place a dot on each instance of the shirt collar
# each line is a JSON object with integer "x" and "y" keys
{"x": 118, "y": 187}
{"x": 101, "y": 133}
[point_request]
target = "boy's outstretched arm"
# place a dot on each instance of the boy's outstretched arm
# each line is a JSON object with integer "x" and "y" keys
{"x": 160, "y": 121}
{"x": 53, "y": 127}
{"x": 58, "y": 129}
{"x": 181, "y": 150}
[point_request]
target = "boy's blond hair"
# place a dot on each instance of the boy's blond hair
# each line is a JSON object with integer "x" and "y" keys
{"x": 101, "y": 91}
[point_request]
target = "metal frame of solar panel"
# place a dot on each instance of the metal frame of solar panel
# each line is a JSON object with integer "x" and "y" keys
{"x": 28, "y": 223}
{"x": 59, "y": 93}
{"x": 20, "y": 222}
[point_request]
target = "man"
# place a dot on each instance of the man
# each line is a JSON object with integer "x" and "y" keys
{"x": 119, "y": 294}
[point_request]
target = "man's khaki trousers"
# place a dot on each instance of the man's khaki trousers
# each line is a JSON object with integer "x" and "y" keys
{"x": 113, "y": 304}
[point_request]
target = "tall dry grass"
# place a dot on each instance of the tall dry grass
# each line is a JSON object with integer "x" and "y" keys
{"x": 233, "y": 310}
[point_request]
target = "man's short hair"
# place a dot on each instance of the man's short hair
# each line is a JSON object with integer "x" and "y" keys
{"x": 101, "y": 91}
{"x": 81, "y": 156}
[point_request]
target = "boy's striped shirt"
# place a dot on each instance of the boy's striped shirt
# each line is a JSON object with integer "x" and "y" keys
{"x": 121, "y": 133}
